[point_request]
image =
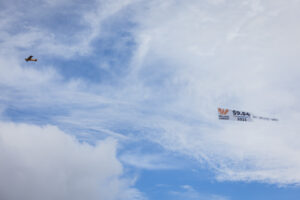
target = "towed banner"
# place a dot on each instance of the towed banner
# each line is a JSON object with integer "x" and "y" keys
{"x": 236, "y": 115}
{"x": 227, "y": 114}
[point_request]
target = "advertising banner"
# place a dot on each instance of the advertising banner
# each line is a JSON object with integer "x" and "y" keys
{"x": 236, "y": 115}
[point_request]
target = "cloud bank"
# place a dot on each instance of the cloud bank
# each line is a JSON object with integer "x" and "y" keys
{"x": 45, "y": 163}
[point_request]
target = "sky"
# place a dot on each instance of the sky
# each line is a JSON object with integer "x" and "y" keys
{"x": 122, "y": 102}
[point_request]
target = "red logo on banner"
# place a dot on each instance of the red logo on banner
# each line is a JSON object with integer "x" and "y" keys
{"x": 222, "y": 111}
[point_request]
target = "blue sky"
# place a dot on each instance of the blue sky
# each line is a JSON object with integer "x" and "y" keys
{"x": 122, "y": 103}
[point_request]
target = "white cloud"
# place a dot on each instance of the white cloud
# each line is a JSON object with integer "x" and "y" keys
{"x": 45, "y": 163}
{"x": 189, "y": 193}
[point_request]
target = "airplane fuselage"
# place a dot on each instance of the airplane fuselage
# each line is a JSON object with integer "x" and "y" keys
{"x": 30, "y": 60}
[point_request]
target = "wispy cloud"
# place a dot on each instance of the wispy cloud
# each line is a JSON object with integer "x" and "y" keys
{"x": 60, "y": 29}
{"x": 148, "y": 161}
{"x": 189, "y": 193}
{"x": 201, "y": 56}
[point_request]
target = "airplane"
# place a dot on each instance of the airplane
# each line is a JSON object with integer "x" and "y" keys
{"x": 30, "y": 59}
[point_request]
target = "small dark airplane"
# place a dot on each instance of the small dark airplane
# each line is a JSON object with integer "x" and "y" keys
{"x": 30, "y": 59}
